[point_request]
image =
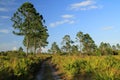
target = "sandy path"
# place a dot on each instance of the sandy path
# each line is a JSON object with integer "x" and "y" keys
{"x": 47, "y": 71}
{"x": 41, "y": 72}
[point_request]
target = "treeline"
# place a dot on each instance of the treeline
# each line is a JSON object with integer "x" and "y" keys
{"x": 14, "y": 53}
{"x": 30, "y": 24}
{"x": 84, "y": 45}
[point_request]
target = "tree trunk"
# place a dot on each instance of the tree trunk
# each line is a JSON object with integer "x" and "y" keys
{"x": 34, "y": 46}
{"x": 80, "y": 48}
{"x": 39, "y": 50}
{"x": 27, "y": 41}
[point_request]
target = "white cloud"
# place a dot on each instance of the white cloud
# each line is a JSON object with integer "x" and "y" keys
{"x": 3, "y": 9}
{"x": 5, "y": 17}
{"x": 84, "y": 5}
{"x": 66, "y": 16}
{"x": 57, "y": 23}
{"x": 14, "y": 48}
{"x": 44, "y": 49}
{"x": 4, "y": 31}
{"x": 93, "y": 7}
{"x": 66, "y": 19}
{"x": 107, "y": 28}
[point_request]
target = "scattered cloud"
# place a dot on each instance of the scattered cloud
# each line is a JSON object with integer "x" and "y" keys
{"x": 107, "y": 28}
{"x": 57, "y": 23}
{"x": 5, "y": 31}
{"x": 4, "y": 9}
{"x": 7, "y": 2}
{"x": 4, "y": 17}
{"x": 84, "y": 5}
{"x": 66, "y": 19}
{"x": 7, "y": 5}
{"x": 66, "y": 16}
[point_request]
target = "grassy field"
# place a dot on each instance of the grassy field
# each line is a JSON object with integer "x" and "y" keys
{"x": 75, "y": 67}
{"x": 88, "y": 67}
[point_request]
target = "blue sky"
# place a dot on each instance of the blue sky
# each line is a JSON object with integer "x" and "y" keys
{"x": 99, "y": 18}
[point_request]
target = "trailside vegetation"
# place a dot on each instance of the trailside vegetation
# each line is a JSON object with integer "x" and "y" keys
{"x": 14, "y": 65}
{"x": 87, "y": 67}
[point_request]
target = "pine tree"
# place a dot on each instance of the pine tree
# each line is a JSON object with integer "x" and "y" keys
{"x": 29, "y": 23}
{"x": 67, "y": 44}
{"x": 54, "y": 48}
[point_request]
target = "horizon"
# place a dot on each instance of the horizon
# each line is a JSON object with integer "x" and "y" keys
{"x": 98, "y": 18}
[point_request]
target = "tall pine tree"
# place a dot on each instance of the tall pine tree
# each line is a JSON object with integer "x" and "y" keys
{"x": 30, "y": 24}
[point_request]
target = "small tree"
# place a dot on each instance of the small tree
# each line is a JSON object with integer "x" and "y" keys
{"x": 118, "y": 46}
{"x": 105, "y": 48}
{"x": 67, "y": 44}
{"x": 20, "y": 49}
{"x": 88, "y": 43}
{"x": 54, "y": 48}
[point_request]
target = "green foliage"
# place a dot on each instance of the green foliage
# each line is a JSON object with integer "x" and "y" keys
{"x": 109, "y": 69}
{"x": 74, "y": 49}
{"x": 76, "y": 67}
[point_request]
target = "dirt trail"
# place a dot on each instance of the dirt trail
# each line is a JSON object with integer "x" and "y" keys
{"x": 47, "y": 72}
{"x": 41, "y": 72}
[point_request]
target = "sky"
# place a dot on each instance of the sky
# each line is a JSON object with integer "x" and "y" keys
{"x": 99, "y": 18}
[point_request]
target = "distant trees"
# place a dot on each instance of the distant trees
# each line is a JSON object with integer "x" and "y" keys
{"x": 67, "y": 44}
{"x": 118, "y": 46}
{"x": 55, "y": 48}
{"x": 30, "y": 24}
{"x": 88, "y": 44}
{"x": 84, "y": 45}
{"x": 105, "y": 48}
{"x": 74, "y": 49}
